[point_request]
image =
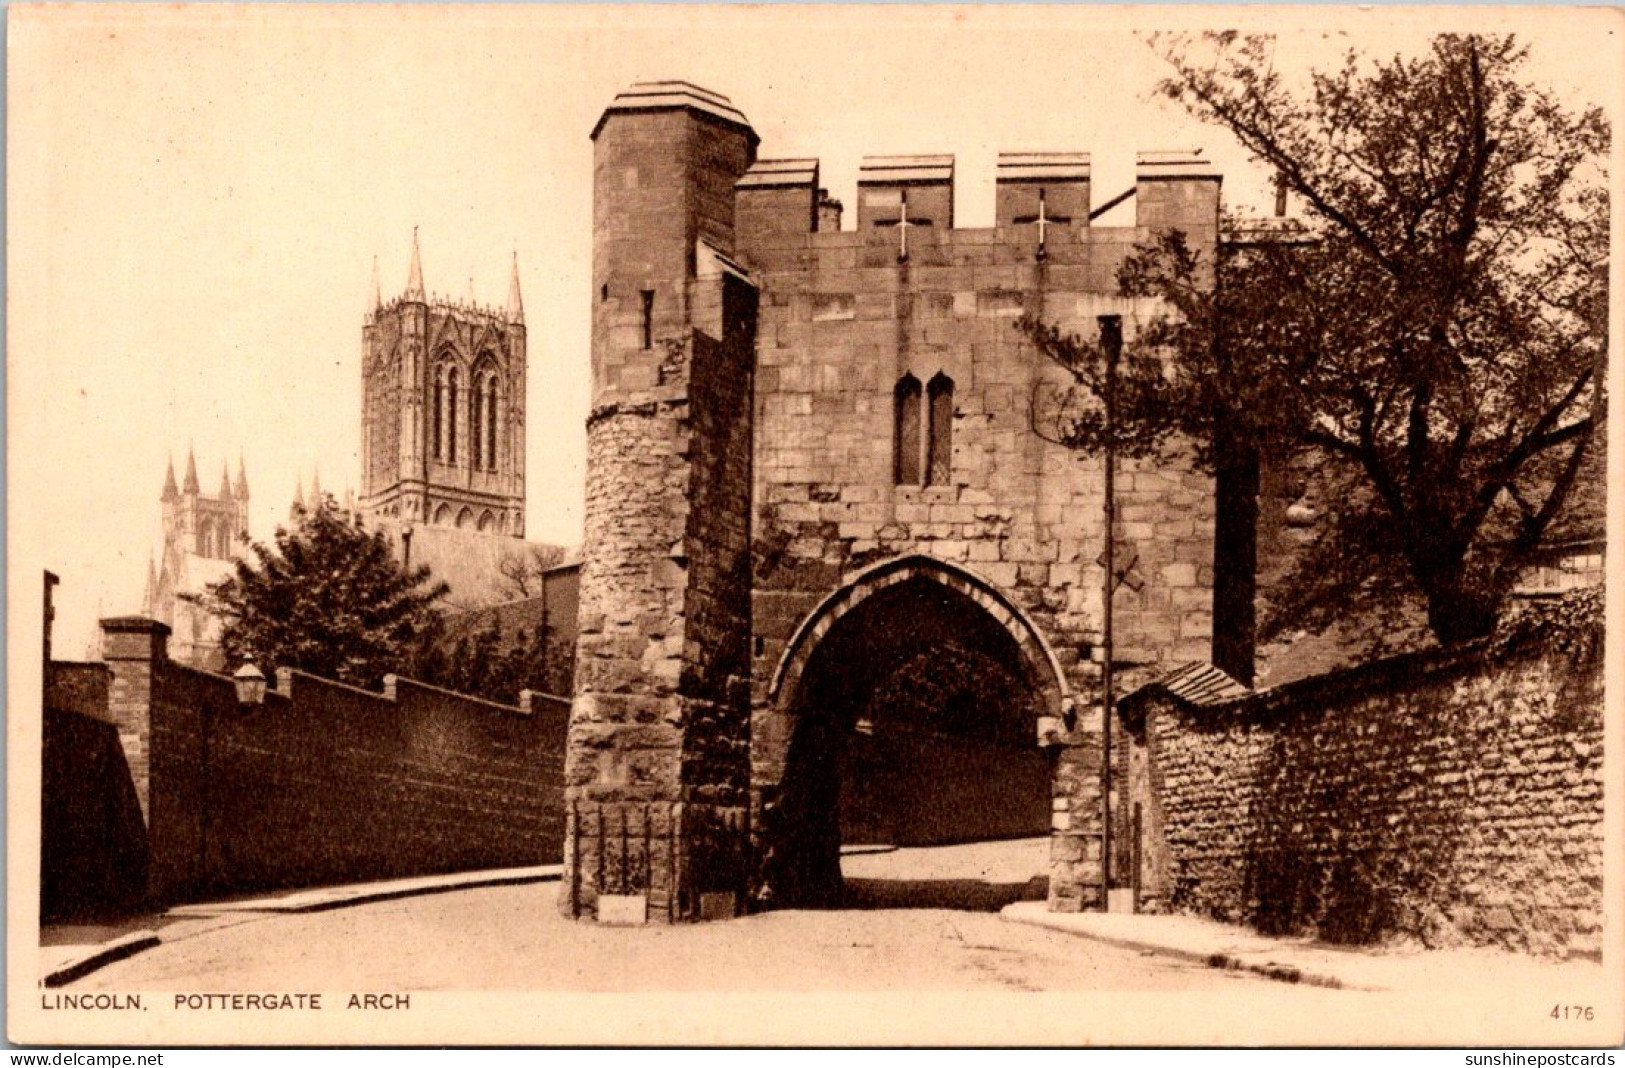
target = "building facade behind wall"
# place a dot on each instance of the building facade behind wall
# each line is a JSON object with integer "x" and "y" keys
{"x": 811, "y": 459}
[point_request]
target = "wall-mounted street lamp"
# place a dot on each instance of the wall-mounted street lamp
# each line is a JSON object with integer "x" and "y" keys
{"x": 250, "y": 683}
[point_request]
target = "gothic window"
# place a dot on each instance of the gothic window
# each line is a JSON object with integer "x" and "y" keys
{"x": 906, "y": 436}
{"x": 450, "y": 452}
{"x": 488, "y": 522}
{"x": 434, "y": 419}
{"x": 476, "y": 424}
{"x": 482, "y": 422}
{"x": 442, "y": 515}
{"x": 443, "y": 414}
{"x": 940, "y": 444}
{"x": 491, "y": 421}
{"x": 465, "y": 519}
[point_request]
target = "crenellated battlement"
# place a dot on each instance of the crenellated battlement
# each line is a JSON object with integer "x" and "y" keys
{"x": 1043, "y": 202}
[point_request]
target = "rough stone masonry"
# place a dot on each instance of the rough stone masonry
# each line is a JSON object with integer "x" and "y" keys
{"x": 810, "y": 462}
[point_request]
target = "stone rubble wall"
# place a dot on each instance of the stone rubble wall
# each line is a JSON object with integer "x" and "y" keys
{"x": 715, "y": 683}
{"x": 1454, "y": 803}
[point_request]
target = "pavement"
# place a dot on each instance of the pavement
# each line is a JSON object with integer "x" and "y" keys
{"x": 69, "y": 952}
{"x": 954, "y": 884}
{"x": 1400, "y": 968}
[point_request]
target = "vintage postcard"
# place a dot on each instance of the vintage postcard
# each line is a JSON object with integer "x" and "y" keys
{"x": 811, "y": 524}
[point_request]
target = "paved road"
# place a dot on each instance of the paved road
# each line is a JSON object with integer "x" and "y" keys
{"x": 513, "y": 938}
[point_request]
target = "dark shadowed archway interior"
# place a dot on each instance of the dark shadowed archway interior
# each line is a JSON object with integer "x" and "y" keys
{"x": 914, "y": 724}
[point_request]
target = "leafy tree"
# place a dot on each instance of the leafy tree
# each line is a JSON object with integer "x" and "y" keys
{"x": 484, "y": 664}
{"x": 327, "y": 598}
{"x": 1431, "y": 335}
{"x": 522, "y": 572}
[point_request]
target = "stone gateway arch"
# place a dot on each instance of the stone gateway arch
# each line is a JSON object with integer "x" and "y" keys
{"x": 818, "y": 519}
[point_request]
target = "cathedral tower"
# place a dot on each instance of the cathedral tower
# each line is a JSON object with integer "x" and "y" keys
{"x": 202, "y": 536}
{"x": 199, "y": 524}
{"x": 443, "y": 408}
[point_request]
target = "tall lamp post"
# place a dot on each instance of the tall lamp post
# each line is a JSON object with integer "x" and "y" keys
{"x": 1111, "y": 343}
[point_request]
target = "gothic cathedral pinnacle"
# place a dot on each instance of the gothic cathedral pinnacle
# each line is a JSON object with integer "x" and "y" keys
{"x": 377, "y": 300}
{"x": 516, "y": 304}
{"x": 414, "y": 276}
{"x": 190, "y": 486}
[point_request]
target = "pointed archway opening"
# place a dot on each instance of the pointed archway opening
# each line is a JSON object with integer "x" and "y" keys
{"x": 912, "y": 723}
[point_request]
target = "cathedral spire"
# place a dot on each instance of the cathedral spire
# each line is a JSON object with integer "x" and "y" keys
{"x": 170, "y": 490}
{"x": 225, "y": 481}
{"x": 298, "y": 499}
{"x": 377, "y": 300}
{"x": 414, "y": 276}
{"x": 242, "y": 480}
{"x": 316, "y": 487}
{"x": 190, "y": 485}
{"x": 516, "y": 305}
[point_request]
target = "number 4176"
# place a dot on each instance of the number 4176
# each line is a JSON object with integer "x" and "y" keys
{"x": 1571, "y": 1012}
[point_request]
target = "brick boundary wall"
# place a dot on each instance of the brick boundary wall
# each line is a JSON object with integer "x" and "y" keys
{"x": 1453, "y": 800}
{"x": 326, "y": 783}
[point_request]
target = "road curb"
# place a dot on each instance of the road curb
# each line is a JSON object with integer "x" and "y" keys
{"x": 866, "y": 850}
{"x": 336, "y": 897}
{"x": 126, "y": 946}
{"x": 107, "y": 953}
{"x": 395, "y": 894}
{"x": 1281, "y": 973}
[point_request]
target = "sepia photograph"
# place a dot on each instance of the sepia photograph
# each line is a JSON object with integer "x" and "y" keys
{"x": 811, "y": 525}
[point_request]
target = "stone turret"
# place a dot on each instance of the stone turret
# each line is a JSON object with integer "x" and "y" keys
{"x": 657, "y": 770}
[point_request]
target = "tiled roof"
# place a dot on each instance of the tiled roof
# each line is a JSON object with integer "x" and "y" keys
{"x": 1201, "y": 684}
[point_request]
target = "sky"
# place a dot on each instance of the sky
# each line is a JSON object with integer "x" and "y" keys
{"x": 196, "y": 196}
